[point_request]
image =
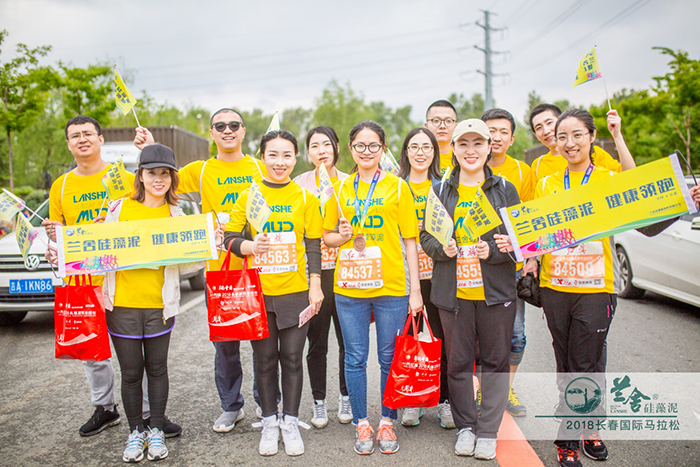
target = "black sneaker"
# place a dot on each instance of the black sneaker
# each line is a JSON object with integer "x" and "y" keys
{"x": 568, "y": 457}
{"x": 100, "y": 420}
{"x": 170, "y": 429}
{"x": 594, "y": 447}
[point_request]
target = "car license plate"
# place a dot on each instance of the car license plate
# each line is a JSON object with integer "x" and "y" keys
{"x": 30, "y": 286}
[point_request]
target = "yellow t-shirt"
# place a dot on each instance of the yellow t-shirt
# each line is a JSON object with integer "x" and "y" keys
{"x": 220, "y": 184}
{"x": 420, "y": 195}
{"x": 76, "y": 200}
{"x": 586, "y": 268}
{"x": 140, "y": 288}
{"x": 295, "y": 214}
{"x": 550, "y": 164}
{"x": 390, "y": 217}
{"x": 470, "y": 285}
{"x": 445, "y": 162}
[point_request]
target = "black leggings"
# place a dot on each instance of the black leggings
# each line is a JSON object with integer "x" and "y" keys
{"x": 134, "y": 355}
{"x": 319, "y": 327}
{"x": 284, "y": 347}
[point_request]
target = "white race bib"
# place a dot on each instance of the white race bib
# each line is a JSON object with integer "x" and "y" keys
{"x": 282, "y": 255}
{"x": 579, "y": 266}
{"x": 360, "y": 269}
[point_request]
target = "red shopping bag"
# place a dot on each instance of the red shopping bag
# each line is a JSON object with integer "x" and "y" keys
{"x": 414, "y": 378}
{"x": 236, "y": 306}
{"x": 80, "y": 323}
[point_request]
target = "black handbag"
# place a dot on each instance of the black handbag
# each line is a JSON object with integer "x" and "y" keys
{"x": 528, "y": 288}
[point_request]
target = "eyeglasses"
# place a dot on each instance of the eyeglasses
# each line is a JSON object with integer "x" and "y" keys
{"x": 576, "y": 137}
{"x": 362, "y": 147}
{"x": 414, "y": 148}
{"x": 86, "y": 134}
{"x": 447, "y": 121}
{"x": 221, "y": 126}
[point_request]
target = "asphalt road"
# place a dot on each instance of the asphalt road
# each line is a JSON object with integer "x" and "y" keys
{"x": 44, "y": 401}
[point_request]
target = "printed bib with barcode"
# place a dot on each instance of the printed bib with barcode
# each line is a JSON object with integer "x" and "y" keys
{"x": 468, "y": 268}
{"x": 580, "y": 266}
{"x": 425, "y": 264}
{"x": 328, "y": 256}
{"x": 281, "y": 257}
{"x": 360, "y": 269}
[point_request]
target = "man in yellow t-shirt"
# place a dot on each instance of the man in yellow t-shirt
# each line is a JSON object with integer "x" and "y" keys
{"x": 543, "y": 119}
{"x": 78, "y": 197}
{"x": 220, "y": 181}
{"x": 441, "y": 119}
{"x": 501, "y": 126}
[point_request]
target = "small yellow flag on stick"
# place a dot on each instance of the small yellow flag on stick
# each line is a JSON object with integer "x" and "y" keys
{"x": 257, "y": 209}
{"x": 9, "y": 205}
{"x": 274, "y": 123}
{"x": 25, "y": 235}
{"x": 589, "y": 70}
{"x": 122, "y": 96}
{"x": 115, "y": 181}
{"x": 437, "y": 220}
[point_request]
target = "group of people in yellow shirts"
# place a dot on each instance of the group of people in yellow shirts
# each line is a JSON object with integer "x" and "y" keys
{"x": 363, "y": 257}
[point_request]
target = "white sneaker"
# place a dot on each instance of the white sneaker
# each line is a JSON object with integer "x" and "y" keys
{"x": 270, "y": 436}
{"x": 344, "y": 409}
{"x": 485, "y": 448}
{"x": 293, "y": 444}
{"x": 445, "y": 415}
{"x": 320, "y": 417}
{"x": 228, "y": 420}
{"x": 465, "y": 442}
{"x": 135, "y": 444}
{"x": 411, "y": 416}
{"x": 157, "y": 450}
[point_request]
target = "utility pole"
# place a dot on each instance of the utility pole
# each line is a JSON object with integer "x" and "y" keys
{"x": 488, "y": 53}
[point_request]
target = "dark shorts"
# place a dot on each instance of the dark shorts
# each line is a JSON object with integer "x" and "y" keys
{"x": 285, "y": 309}
{"x": 138, "y": 323}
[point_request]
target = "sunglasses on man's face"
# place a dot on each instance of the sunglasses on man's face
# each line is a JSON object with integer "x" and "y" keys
{"x": 221, "y": 126}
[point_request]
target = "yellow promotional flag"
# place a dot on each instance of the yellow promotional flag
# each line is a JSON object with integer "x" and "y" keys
{"x": 437, "y": 220}
{"x": 588, "y": 69}
{"x": 481, "y": 218}
{"x": 25, "y": 235}
{"x": 325, "y": 184}
{"x": 388, "y": 162}
{"x": 257, "y": 209}
{"x": 113, "y": 246}
{"x": 274, "y": 123}
{"x": 9, "y": 205}
{"x": 115, "y": 181}
{"x": 123, "y": 97}
{"x": 632, "y": 199}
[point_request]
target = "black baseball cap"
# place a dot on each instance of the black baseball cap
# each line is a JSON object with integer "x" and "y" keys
{"x": 157, "y": 155}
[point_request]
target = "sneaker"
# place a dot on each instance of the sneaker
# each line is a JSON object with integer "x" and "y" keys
{"x": 445, "y": 415}
{"x": 101, "y": 419}
{"x": 227, "y": 420}
{"x": 411, "y": 416}
{"x": 388, "y": 444}
{"x": 320, "y": 417}
{"x": 293, "y": 444}
{"x": 344, "y": 409}
{"x": 135, "y": 445}
{"x": 270, "y": 436}
{"x": 465, "y": 442}
{"x": 485, "y": 448}
{"x": 478, "y": 400}
{"x": 258, "y": 412}
{"x": 364, "y": 444}
{"x": 568, "y": 457}
{"x": 157, "y": 450}
{"x": 514, "y": 406}
{"x": 594, "y": 447}
{"x": 170, "y": 429}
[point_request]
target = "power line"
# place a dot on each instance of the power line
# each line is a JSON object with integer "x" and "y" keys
{"x": 518, "y": 13}
{"x": 552, "y": 25}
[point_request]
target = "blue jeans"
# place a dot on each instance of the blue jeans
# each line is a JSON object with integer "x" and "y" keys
{"x": 390, "y": 315}
{"x": 518, "y": 341}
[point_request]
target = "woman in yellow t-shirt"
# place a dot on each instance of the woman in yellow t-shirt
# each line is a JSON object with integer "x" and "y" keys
{"x": 322, "y": 146}
{"x": 376, "y": 225}
{"x": 291, "y": 234}
{"x": 577, "y": 283}
{"x": 419, "y": 165}
{"x": 141, "y": 305}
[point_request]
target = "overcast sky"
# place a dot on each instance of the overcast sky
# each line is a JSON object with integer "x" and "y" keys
{"x": 278, "y": 54}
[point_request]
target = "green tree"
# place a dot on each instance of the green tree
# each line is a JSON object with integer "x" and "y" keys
{"x": 24, "y": 89}
{"x": 467, "y": 108}
{"x": 86, "y": 91}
